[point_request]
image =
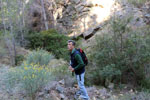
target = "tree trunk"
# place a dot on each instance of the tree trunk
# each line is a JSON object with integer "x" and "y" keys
{"x": 44, "y": 15}
{"x": 7, "y": 41}
{"x": 12, "y": 34}
{"x": 21, "y": 21}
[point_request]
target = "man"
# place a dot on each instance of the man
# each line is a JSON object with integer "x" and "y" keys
{"x": 77, "y": 65}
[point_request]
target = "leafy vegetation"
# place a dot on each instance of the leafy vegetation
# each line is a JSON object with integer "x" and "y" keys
{"x": 19, "y": 59}
{"x": 51, "y": 41}
{"x": 40, "y": 57}
{"x": 122, "y": 56}
{"x": 32, "y": 75}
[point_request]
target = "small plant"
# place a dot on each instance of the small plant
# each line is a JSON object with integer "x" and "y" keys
{"x": 32, "y": 75}
{"x": 109, "y": 72}
{"x": 19, "y": 59}
{"x": 40, "y": 56}
{"x": 61, "y": 71}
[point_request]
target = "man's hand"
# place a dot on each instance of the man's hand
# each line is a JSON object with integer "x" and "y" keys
{"x": 71, "y": 69}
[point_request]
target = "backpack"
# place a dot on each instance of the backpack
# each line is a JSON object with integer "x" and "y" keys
{"x": 83, "y": 55}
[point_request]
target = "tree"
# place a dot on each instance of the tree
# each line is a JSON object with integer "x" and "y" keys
{"x": 13, "y": 21}
{"x": 44, "y": 15}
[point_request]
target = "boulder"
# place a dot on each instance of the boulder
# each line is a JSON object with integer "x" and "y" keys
{"x": 60, "y": 89}
{"x": 54, "y": 95}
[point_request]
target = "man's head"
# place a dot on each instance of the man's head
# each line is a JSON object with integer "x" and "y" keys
{"x": 71, "y": 45}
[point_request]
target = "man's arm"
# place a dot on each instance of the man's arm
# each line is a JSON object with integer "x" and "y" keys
{"x": 80, "y": 62}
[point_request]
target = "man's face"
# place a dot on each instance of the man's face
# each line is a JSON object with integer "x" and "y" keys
{"x": 70, "y": 46}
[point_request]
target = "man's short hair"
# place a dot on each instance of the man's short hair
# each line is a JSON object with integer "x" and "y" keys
{"x": 73, "y": 42}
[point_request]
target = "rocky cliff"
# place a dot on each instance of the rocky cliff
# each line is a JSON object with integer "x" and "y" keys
{"x": 71, "y": 16}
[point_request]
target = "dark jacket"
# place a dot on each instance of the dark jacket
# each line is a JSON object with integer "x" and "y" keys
{"x": 77, "y": 62}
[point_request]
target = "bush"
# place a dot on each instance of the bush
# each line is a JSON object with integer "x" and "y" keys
{"x": 109, "y": 72}
{"x": 145, "y": 83}
{"x": 40, "y": 56}
{"x": 59, "y": 69}
{"x": 51, "y": 41}
{"x": 32, "y": 75}
{"x": 29, "y": 77}
{"x": 127, "y": 50}
{"x": 19, "y": 59}
{"x": 60, "y": 72}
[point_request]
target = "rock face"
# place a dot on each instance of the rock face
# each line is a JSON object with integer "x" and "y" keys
{"x": 36, "y": 19}
{"x": 146, "y": 13}
{"x": 90, "y": 32}
{"x": 82, "y": 17}
{"x": 69, "y": 16}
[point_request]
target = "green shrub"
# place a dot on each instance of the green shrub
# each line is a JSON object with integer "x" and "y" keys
{"x": 28, "y": 77}
{"x": 61, "y": 72}
{"x": 40, "y": 56}
{"x": 11, "y": 78}
{"x": 51, "y": 41}
{"x": 35, "y": 40}
{"x": 19, "y": 59}
{"x": 32, "y": 75}
{"x": 145, "y": 83}
{"x": 109, "y": 72}
{"x": 59, "y": 69}
{"x": 127, "y": 50}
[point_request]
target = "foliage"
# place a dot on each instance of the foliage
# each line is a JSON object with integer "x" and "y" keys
{"x": 32, "y": 75}
{"x": 11, "y": 16}
{"x": 109, "y": 72}
{"x": 123, "y": 52}
{"x": 51, "y": 41}
{"x": 145, "y": 83}
{"x": 60, "y": 72}
{"x": 12, "y": 24}
{"x": 19, "y": 59}
{"x": 40, "y": 56}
